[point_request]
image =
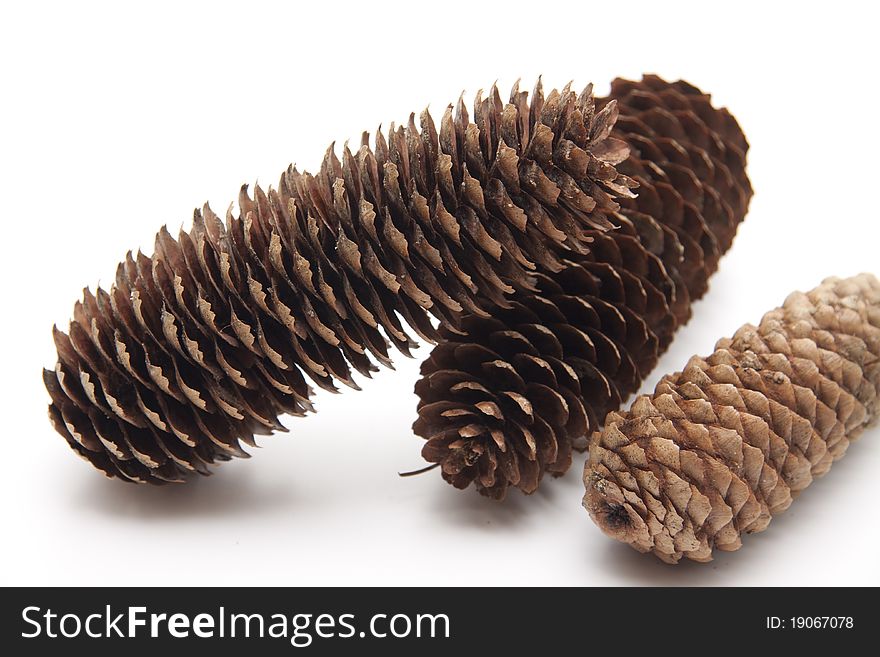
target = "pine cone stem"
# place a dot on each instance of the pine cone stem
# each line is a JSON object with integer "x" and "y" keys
{"x": 729, "y": 442}
{"x": 506, "y": 398}
{"x": 203, "y": 344}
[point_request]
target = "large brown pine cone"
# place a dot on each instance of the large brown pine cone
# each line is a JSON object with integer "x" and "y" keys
{"x": 730, "y": 441}
{"x": 506, "y": 398}
{"x": 204, "y": 343}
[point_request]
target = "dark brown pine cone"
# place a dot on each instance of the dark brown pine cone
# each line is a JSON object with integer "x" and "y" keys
{"x": 690, "y": 161}
{"x": 506, "y": 398}
{"x": 204, "y": 343}
{"x": 730, "y": 441}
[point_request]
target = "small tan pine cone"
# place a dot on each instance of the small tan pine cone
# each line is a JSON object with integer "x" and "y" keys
{"x": 730, "y": 441}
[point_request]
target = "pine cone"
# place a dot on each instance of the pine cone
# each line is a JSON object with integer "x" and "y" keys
{"x": 723, "y": 446}
{"x": 206, "y": 342}
{"x": 508, "y": 397}
{"x": 690, "y": 162}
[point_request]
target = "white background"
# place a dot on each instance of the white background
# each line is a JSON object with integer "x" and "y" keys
{"x": 117, "y": 120}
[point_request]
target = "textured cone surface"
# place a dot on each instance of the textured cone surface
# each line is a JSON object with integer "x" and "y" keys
{"x": 505, "y": 399}
{"x": 730, "y": 441}
{"x": 689, "y": 159}
{"x": 203, "y": 344}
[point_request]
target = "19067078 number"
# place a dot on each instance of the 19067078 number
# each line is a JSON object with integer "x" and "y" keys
{"x": 810, "y": 623}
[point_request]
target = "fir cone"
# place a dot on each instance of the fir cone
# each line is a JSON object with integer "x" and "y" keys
{"x": 730, "y": 441}
{"x": 203, "y": 344}
{"x": 504, "y": 399}
{"x": 689, "y": 159}
{"x": 510, "y": 399}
